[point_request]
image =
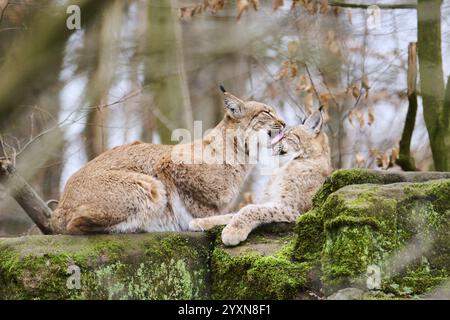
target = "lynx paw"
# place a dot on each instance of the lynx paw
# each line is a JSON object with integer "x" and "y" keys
{"x": 233, "y": 235}
{"x": 196, "y": 225}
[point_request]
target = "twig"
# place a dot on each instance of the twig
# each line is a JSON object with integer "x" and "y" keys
{"x": 65, "y": 120}
{"x": 366, "y": 6}
{"x": 312, "y": 82}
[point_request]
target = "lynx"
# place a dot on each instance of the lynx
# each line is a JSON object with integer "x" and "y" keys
{"x": 139, "y": 187}
{"x": 306, "y": 163}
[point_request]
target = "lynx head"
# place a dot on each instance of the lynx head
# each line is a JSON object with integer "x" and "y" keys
{"x": 250, "y": 118}
{"x": 305, "y": 141}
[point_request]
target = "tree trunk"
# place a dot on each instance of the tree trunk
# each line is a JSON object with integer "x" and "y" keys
{"x": 405, "y": 161}
{"x": 164, "y": 74}
{"x": 432, "y": 80}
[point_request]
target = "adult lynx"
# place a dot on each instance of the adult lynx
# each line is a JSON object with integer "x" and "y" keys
{"x": 139, "y": 187}
{"x": 289, "y": 193}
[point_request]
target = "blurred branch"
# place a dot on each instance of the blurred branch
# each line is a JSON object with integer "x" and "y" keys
{"x": 344, "y": 4}
{"x": 3, "y": 8}
{"x": 25, "y": 196}
{"x": 405, "y": 161}
{"x": 66, "y": 121}
{"x": 33, "y": 54}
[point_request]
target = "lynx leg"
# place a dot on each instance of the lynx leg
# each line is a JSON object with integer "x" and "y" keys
{"x": 250, "y": 217}
{"x": 203, "y": 224}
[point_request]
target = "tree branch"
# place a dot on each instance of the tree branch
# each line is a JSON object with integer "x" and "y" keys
{"x": 394, "y": 6}
{"x": 25, "y": 196}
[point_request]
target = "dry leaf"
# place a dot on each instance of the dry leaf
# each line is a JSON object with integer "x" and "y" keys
{"x": 360, "y": 159}
{"x": 216, "y": 5}
{"x": 370, "y": 116}
{"x": 336, "y": 10}
{"x": 241, "y": 6}
{"x": 359, "y": 115}
{"x": 373, "y": 151}
{"x": 303, "y": 84}
{"x": 277, "y": 4}
{"x": 382, "y": 160}
{"x": 323, "y": 6}
{"x": 324, "y": 99}
{"x": 350, "y": 117}
{"x": 349, "y": 16}
{"x": 309, "y": 102}
{"x": 365, "y": 83}
{"x": 355, "y": 91}
{"x": 255, "y": 4}
{"x": 394, "y": 155}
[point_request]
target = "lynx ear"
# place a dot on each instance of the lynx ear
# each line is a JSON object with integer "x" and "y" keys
{"x": 314, "y": 122}
{"x": 233, "y": 104}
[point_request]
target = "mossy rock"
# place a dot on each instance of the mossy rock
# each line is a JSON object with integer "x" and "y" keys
{"x": 135, "y": 266}
{"x": 260, "y": 268}
{"x": 399, "y": 229}
{"x": 344, "y": 177}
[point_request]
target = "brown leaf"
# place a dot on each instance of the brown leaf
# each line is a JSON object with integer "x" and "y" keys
{"x": 373, "y": 151}
{"x": 323, "y": 6}
{"x": 336, "y": 10}
{"x": 355, "y": 91}
{"x": 370, "y": 116}
{"x": 365, "y": 83}
{"x": 359, "y": 115}
{"x": 241, "y": 6}
{"x": 216, "y": 5}
{"x": 324, "y": 99}
{"x": 350, "y": 117}
{"x": 255, "y": 4}
{"x": 303, "y": 84}
{"x": 394, "y": 155}
{"x": 350, "y": 16}
{"x": 360, "y": 159}
{"x": 277, "y": 4}
{"x": 382, "y": 160}
{"x": 309, "y": 102}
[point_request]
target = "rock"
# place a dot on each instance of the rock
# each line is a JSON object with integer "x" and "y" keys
{"x": 398, "y": 232}
{"x": 135, "y": 266}
{"x": 260, "y": 268}
{"x": 344, "y": 177}
{"x": 347, "y": 294}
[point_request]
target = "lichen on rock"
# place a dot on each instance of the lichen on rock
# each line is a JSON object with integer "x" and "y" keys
{"x": 144, "y": 266}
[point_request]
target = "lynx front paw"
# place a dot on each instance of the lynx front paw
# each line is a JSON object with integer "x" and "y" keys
{"x": 233, "y": 235}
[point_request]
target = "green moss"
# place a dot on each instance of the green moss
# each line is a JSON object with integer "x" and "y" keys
{"x": 150, "y": 266}
{"x": 261, "y": 268}
{"x": 344, "y": 177}
{"x": 310, "y": 237}
{"x": 390, "y": 226}
{"x": 252, "y": 276}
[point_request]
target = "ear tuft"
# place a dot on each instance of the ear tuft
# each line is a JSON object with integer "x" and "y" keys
{"x": 222, "y": 89}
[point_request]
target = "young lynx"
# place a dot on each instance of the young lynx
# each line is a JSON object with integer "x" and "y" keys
{"x": 143, "y": 187}
{"x": 305, "y": 152}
